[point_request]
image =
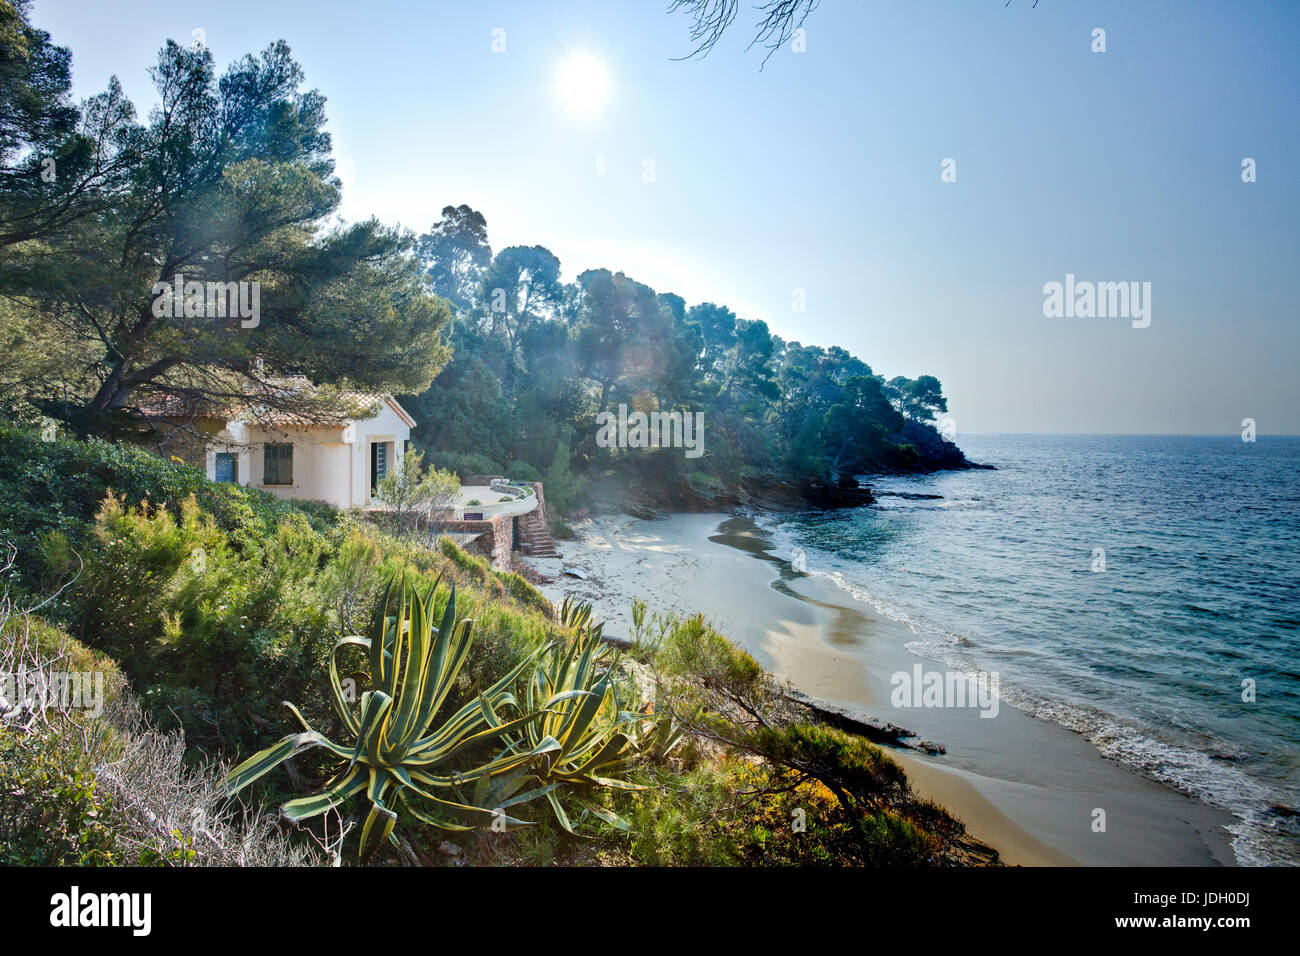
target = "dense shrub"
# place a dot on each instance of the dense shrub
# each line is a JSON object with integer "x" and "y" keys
{"x": 50, "y": 811}
{"x": 59, "y": 485}
{"x": 522, "y": 471}
{"x": 692, "y": 648}
{"x": 523, "y": 592}
{"x": 212, "y": 633}
{"x": 103, "y": 788}
{"x": 464, "y": 464}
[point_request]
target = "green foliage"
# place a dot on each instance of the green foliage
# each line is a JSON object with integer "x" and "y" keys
{"x": 50, "y": 811}
{"x": 523, "y": 592}
{"x": 476, "y": 566}
{"x": 212, "y": 632}
{"x": 403, "y": 745}
{"x": 100, "y": 787}
{"x": 522, "y": 471}
{"x": 920, "y": 399}
{"x": 464, "y": 464}
{"x": 562, "y": 487}
{"x": 234, "y": 183}
{"x": 58, "y": 486}
{"x": 536, "y": 361}
{"x": 691, "y": 648}
{"x": 680, "y": 820}
{"x": 410, "y": 490}
{"x": 845, "y": 763}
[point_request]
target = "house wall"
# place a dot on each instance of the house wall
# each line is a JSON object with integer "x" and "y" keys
{"x": 320, "y": 463}
{"x": 387, "y": 426}
{"x": 232, "y": 439}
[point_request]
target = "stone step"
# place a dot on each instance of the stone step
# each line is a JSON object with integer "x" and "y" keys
{"x": 535, "y": 537}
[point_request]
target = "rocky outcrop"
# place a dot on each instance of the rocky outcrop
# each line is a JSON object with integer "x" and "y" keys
{"x": 658, "y": 490}
{"x": 932, "y": 452}
{"x": 864, "y": 725}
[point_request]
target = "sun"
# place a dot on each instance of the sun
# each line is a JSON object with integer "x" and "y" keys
{"x": 582, "y": 85}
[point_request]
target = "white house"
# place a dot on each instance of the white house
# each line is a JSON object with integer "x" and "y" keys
{"x": 338, "y": 462}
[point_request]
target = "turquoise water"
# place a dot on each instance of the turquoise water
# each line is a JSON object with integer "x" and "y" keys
{"x": 1200, "y": 591}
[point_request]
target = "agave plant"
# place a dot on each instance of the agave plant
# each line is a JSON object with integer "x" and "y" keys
{"x": 584, "y": 734}
{"x": 399, "y": 747}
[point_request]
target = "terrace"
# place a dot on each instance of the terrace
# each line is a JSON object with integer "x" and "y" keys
{"x": 500, "y": 497}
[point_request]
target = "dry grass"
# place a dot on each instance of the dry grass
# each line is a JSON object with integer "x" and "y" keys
{"x": 163, "y": 810}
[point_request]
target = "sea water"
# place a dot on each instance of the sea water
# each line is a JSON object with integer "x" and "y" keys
{"x": 1142, "y": 590}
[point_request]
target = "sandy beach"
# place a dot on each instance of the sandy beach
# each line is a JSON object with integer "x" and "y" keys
{"x": 1028, "y": 787}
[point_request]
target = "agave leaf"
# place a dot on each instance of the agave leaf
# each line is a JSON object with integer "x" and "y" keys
{"x": 374, "y": 705}
{"x": 266, "y": 760}
{"x": 339, "y": 700}
{"x": 399, "y": 740}
{"x": 609, "y": 816}
{"x": 469, "y": 741}
{"x": 461, "y": 812}
{"x": 297, "y": 715}
{"x": 580, "y": 720}
{"x": 566, "y": 695}
{"x": 468, "y": 714}
{"x": 410, "y": 674}
{"x": 379, "y": 816}
{"x": 615, "y": 784}
{"x": 609, "y": 751}
{"x": 344, "y": 784}
{"x": 560, "y": 815}
{"x": 424, "y": 816}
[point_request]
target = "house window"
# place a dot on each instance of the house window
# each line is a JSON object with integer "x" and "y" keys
{"x": 277, "y": 464}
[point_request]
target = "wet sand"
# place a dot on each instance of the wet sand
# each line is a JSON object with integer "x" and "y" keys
{"x": 1028, "y": 787}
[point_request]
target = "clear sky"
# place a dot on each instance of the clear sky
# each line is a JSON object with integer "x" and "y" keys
{"x": 822, "y": 173}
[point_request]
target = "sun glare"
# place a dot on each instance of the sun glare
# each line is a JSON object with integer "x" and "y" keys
{"x": 582, "y": 85}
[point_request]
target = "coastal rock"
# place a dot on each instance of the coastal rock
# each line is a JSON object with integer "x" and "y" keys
{"x": 933, "y": 453}
{"x": 864, "y": 725}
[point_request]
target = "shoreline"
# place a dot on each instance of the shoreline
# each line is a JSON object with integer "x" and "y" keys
{"x": 1023, "y": 785}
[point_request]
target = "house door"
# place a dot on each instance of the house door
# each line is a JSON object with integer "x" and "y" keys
{"x": 378, "y": 464}
{"x": 225, "y": 468}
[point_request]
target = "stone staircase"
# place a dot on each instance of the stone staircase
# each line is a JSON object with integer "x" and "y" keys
{"x": 534, "y": 538}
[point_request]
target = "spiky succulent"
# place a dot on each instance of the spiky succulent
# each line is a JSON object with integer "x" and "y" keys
{"x": 585, "y": 736}
{"x": 401, "y": 751}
